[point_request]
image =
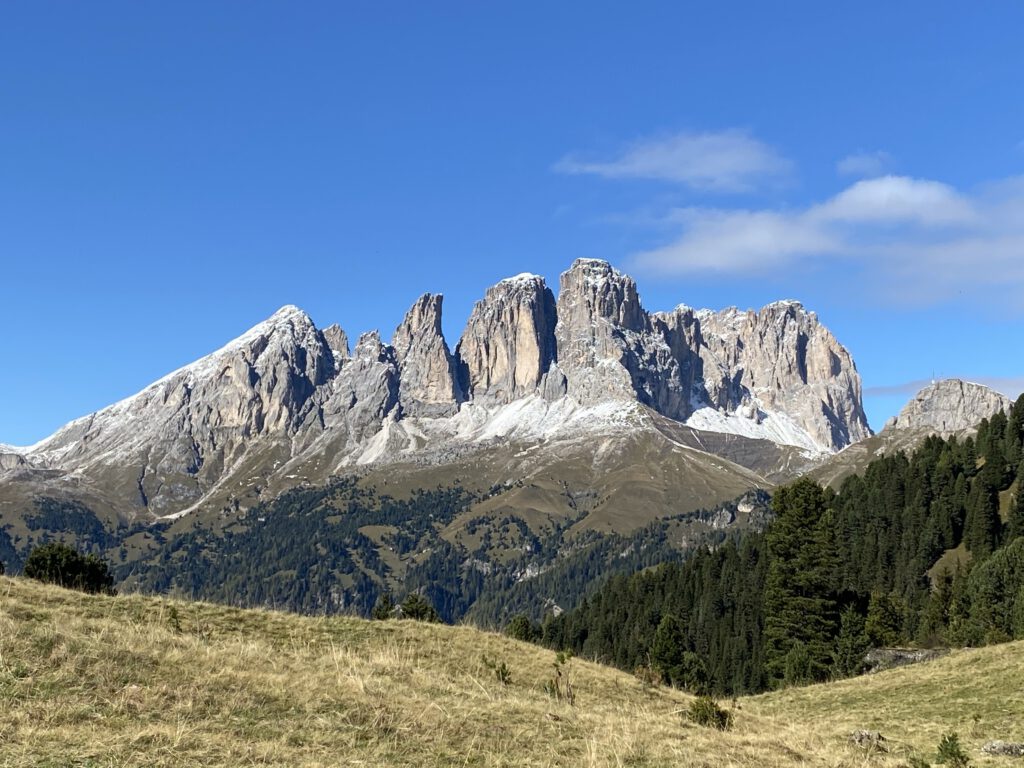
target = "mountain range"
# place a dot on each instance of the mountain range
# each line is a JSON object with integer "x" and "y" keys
{"x": 568, "y": 414}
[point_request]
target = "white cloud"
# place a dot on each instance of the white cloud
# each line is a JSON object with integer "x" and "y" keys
{"x": 738, "y": 241}
{"x": 727, "y": 161}
{"x": 864, "y": 164}
{"x": 897, "y": 199}
{"x": 915, "y": 241}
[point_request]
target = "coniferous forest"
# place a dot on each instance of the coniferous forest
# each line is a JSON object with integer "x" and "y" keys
{"x": 924, "y": 550}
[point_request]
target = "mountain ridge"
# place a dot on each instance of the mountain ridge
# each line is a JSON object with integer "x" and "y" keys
{"x": 287, "y": 402}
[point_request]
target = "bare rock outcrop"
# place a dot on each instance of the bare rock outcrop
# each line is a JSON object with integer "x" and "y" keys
{"x": 783, "y": 359}
{"x": 509, "y": 341}
{"x": 949, "y": 406}
{"x": 608, "y": 347}
{"x": 337, "y": 341}
{"x": 173, "y": 440}
{"x": 285, "y": 396}
{"x": 10, "y": 459}
{"x": 427, "y": 370}
{"x": 365, "y": 392}
{"x": 779, "y": 363}
{"x": 1003, "y": 748}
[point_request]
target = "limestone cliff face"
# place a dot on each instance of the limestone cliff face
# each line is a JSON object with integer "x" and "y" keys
{"x": 783, "y": 359}
{"x": 168, "y": 443}
{"x": 949, "y": 406}
{"x": 427, "y": 370}
{"x": 509, "y": 341}
{"x": 603, "y": 334}
{"x": 337, "y": 341}
{"x": 11, "y": 459}
{"x": 749, "y": 364}
{"x": 364, "y": 393}
{"x": 286, "y": 395}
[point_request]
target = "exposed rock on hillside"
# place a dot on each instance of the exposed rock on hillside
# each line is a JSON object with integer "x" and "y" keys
{"x": 949, "y": 406}
{"x": 429, "y": 381}
{"x": 509, "y": 341}
{"x": 286, "y": 403}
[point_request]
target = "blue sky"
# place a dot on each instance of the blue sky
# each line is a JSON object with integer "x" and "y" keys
{"x": 172, "y": 173}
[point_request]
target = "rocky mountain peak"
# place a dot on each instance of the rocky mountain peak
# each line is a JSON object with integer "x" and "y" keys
{"x": 782, "y": 359}
{"x": 593, "y": 289}
{"x": 948, "y": 406}
{"x": 509, "y": 341}
{"x": 423, "y": 320}
{"x": 427, "y": 369}
{"x": 285, "y": 394}
{"x": 337, "y": 340}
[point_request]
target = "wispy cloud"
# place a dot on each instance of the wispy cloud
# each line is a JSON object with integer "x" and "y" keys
{"x": 919, "y": 240}
{"x": 726, "y": 161}
{"x": 904, "y": 388}
{"x": 864, "y": 164}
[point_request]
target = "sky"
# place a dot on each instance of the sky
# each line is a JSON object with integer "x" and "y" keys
{"x": 172, "y": 173}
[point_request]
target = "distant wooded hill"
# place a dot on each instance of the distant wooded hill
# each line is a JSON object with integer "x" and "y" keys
{"x": 924, "y": 549}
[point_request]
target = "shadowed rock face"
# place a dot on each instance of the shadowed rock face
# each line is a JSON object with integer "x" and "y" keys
{"x": 286, "y": 395}
{"x": 427, "y": 370}
{"x": 784, "y": 359}
{"x": 509, "y": 341}
{"x": 949, "y": 406}
{"x": 780, "y": 359}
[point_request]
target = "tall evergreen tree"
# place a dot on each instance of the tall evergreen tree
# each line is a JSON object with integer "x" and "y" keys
{"x": 933, "y": 629}
{"x": 1015, "y": 525}
{"x": 884, "y": 623}
{"x": 982, "y": 526}
{"x": 851, "y": 644}
{"x": 801, "y": 611}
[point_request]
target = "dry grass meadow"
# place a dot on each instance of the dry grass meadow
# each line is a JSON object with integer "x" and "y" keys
{"x": 141, "y": 681}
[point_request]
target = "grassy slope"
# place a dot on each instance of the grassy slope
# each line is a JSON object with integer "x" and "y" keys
{"x": 109, "y": 681}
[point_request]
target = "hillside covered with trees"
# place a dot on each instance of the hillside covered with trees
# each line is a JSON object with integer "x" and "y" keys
{"x": 925, "y": 549}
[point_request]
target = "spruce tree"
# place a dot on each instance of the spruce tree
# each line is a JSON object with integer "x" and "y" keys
{"x": 851, "y": 645}
{"x": 1015, "y": 525}
{"x": 668, "y": 647}
{"x": 801, "y": 611}
{"x": 384, "y": 608}
{"x": 982, "y": 526}
{"x": 884, "y": 624}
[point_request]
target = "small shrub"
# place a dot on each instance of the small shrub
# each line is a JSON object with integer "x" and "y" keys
{"x": 60, "y": 564}
{"x": 415, "y": 606}
{"x": 951, "y": 753}
{"x": 174, "y": 620}
{"x": 705, "y": 712}
{"x": 648, "y": 676}
{"x": 501, "y": 670}
{"x": 560, "y": 687}
{"x": 521, "y": 628}
{"x": 384, "y": 609}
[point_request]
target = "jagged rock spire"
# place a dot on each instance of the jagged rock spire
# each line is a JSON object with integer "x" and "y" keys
{"x": 509, "y": 341}
{"x": 427, "y": 370}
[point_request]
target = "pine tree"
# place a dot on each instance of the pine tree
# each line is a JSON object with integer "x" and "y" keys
{"x": 1015, "y": 525}
{"x": 884, "y": 623}
{"x": 800, "y": 607}
{"x": 851, "y": 645}
{"x": 934, "y": 625}
{"x": 982, "y": 526}
{"x": 1015, "y": 433}
{"x": 668, "y": 647}
{"x": 384, "y": 608}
